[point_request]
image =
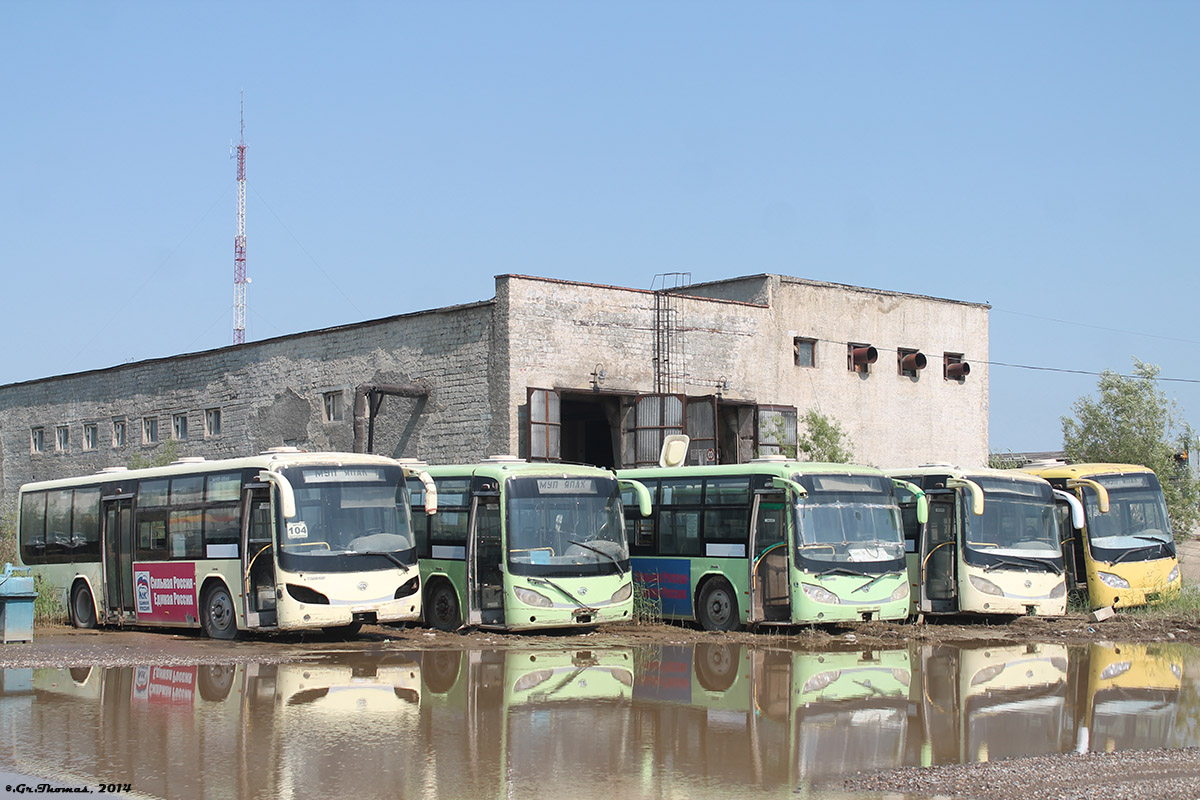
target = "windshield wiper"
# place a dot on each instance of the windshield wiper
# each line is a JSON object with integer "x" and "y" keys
{"x": 842, "y": 571}
{"x": 1018, "y": 561}
{"x": 389, "y": 556}
{"x": 573, "y": 598}
{"x": 872, "y": 582}
{"x": 601, "y": 552}
{"x": 1133, "y": 550}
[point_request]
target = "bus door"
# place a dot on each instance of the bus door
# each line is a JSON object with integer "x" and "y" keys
{"x": 770, "y": 600}
{"x": 258, "y": 554}
{"x": 1074, "y": 558}
{"x": 939, "y": 554}
{"x": 117, "y": 535}
{"x": 485, "y": 553}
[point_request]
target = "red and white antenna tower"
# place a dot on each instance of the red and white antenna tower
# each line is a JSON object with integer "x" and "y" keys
{"x": 239, "y": 241}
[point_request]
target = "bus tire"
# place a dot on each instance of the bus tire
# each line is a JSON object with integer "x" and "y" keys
{"x": 218, "y": 616}
{"x": 716, "y": 665}
{"x": 215, "y": 680}
{"x": 716, "y": 608}
{"x": 441, "y": 607}
{"x": 83, "y": 609}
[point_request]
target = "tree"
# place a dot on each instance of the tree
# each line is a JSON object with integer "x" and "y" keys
{"x": 1133, "y": 422}
{"x": 824, "y": 440}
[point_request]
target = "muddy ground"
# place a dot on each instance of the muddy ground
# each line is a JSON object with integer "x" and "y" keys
{"x": 62, "y": 646}
{"x": 1107, "y": 776}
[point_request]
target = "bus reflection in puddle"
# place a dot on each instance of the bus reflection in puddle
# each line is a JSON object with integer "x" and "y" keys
{"x": 705, "y": 720}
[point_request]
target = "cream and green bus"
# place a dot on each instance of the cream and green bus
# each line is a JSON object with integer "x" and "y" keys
{"x": 282, "y": 541}
{"x": 991, "y": 544}
{"x": 1125, "y": 554}
{"x": 771, "y": 542}
{"x": 519, "y": 546}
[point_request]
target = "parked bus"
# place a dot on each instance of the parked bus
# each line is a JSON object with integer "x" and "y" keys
{"x": 990, "y": 545}
{"x": 1125, "y": 555}
{"x": 768, "y": 719}
{"x": 985, "y": 702}
{"x": 285, "y": 540}
{"x": 727, "y": 545}
{"x": 520, "y": 546}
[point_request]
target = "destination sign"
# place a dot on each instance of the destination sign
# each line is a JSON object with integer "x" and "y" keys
{"x": 345, "y": 475}
{"x": 566, "y": 486}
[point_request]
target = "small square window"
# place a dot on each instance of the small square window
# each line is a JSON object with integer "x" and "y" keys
{"x": 805, "y": 351}
{"x": 62, "y": 438}
{"x": 212, "y": 422}
{"x": 89, "y": 436}
{"x": 118, "y": 437}
{"x": 37, "y": 440}
{"x": 333, "y": 406}
{"x": 150, "y": 430}
{"x": 179, "y": 426}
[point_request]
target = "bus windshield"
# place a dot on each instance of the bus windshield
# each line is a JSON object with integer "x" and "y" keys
{"x": 1018, "y": 521}
{"x": 1136, "y": 527}
{"x": 348, "y": 519}
{"x": 848, "y": 518}
{"x": 565, "y": 526}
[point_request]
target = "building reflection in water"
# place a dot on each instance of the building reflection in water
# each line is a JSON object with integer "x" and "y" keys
{"x": 699, "y": 721}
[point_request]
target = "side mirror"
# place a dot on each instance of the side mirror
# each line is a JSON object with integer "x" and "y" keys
{"x": 643, "y": 495}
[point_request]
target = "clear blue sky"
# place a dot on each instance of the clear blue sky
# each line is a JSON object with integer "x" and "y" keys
{"x": 1042, "y": 157}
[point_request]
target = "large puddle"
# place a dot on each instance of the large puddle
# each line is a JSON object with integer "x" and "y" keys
{"x": 671, "y": 721}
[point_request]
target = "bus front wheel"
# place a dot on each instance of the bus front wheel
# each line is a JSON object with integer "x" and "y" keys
{"x": 83, "y": 610}
{"x": 717, "y": 608}
{"x": 441, "y": 607}
{"x": 217, "y": 614}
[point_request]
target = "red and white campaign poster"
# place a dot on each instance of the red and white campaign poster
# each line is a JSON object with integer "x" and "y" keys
{"x": 165, "y": 591}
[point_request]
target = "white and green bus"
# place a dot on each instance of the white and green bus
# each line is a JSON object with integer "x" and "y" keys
{"x": 517, "y": 546}
{"x": 992, "y": 542}
{"x": 771, "y": 542}
{"x": 285, "y": 540}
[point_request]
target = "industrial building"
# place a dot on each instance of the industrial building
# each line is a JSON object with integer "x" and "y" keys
{"x": 547, "y": 370}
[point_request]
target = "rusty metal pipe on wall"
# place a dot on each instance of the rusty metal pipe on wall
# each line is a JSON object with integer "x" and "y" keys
{"x": 864, "y": 355}
{"x": 913, "y": 361}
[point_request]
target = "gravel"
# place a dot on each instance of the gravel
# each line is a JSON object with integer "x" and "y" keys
{"x": 1124, "y": 775}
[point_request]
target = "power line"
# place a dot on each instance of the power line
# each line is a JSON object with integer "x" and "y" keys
{"x": 1097, "y": 327}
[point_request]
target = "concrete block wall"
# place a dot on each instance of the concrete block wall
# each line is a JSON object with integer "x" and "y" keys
{"x": 270, "y": 393}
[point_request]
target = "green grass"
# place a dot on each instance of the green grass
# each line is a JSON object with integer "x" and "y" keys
{"x": 647, "y": 605}
{"x": 47, "y": 609}
{"x": 1183, "y": 606}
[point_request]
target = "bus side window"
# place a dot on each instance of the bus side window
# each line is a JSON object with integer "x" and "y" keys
{"x": 33, "y": 527}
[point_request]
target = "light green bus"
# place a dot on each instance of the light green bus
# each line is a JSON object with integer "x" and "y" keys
{"x": 518, "y": 546}
{"x": 771, "y": 542}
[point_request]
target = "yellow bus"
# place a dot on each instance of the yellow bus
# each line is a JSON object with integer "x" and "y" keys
{"x": 991, "y": 545}
{"x": 1125, "y": 555}
{"x": 285, "y": 540}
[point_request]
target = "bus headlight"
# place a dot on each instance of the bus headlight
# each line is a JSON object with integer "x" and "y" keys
{"x": 622, "y": 594}
{"x": 1174, "y": 576}
{"x": 986, "y": 586}
{"x": 1059, "y": 590}
{"x": 819, "y": 681}
{"x": 409, "y": 587}
{"x": 821, "y": 595}
{"x": 531, "y": 598}
{"x": 1114, "y": 670}
{"x": 1112, "y": 581}
{"x": 900, "y": 593}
